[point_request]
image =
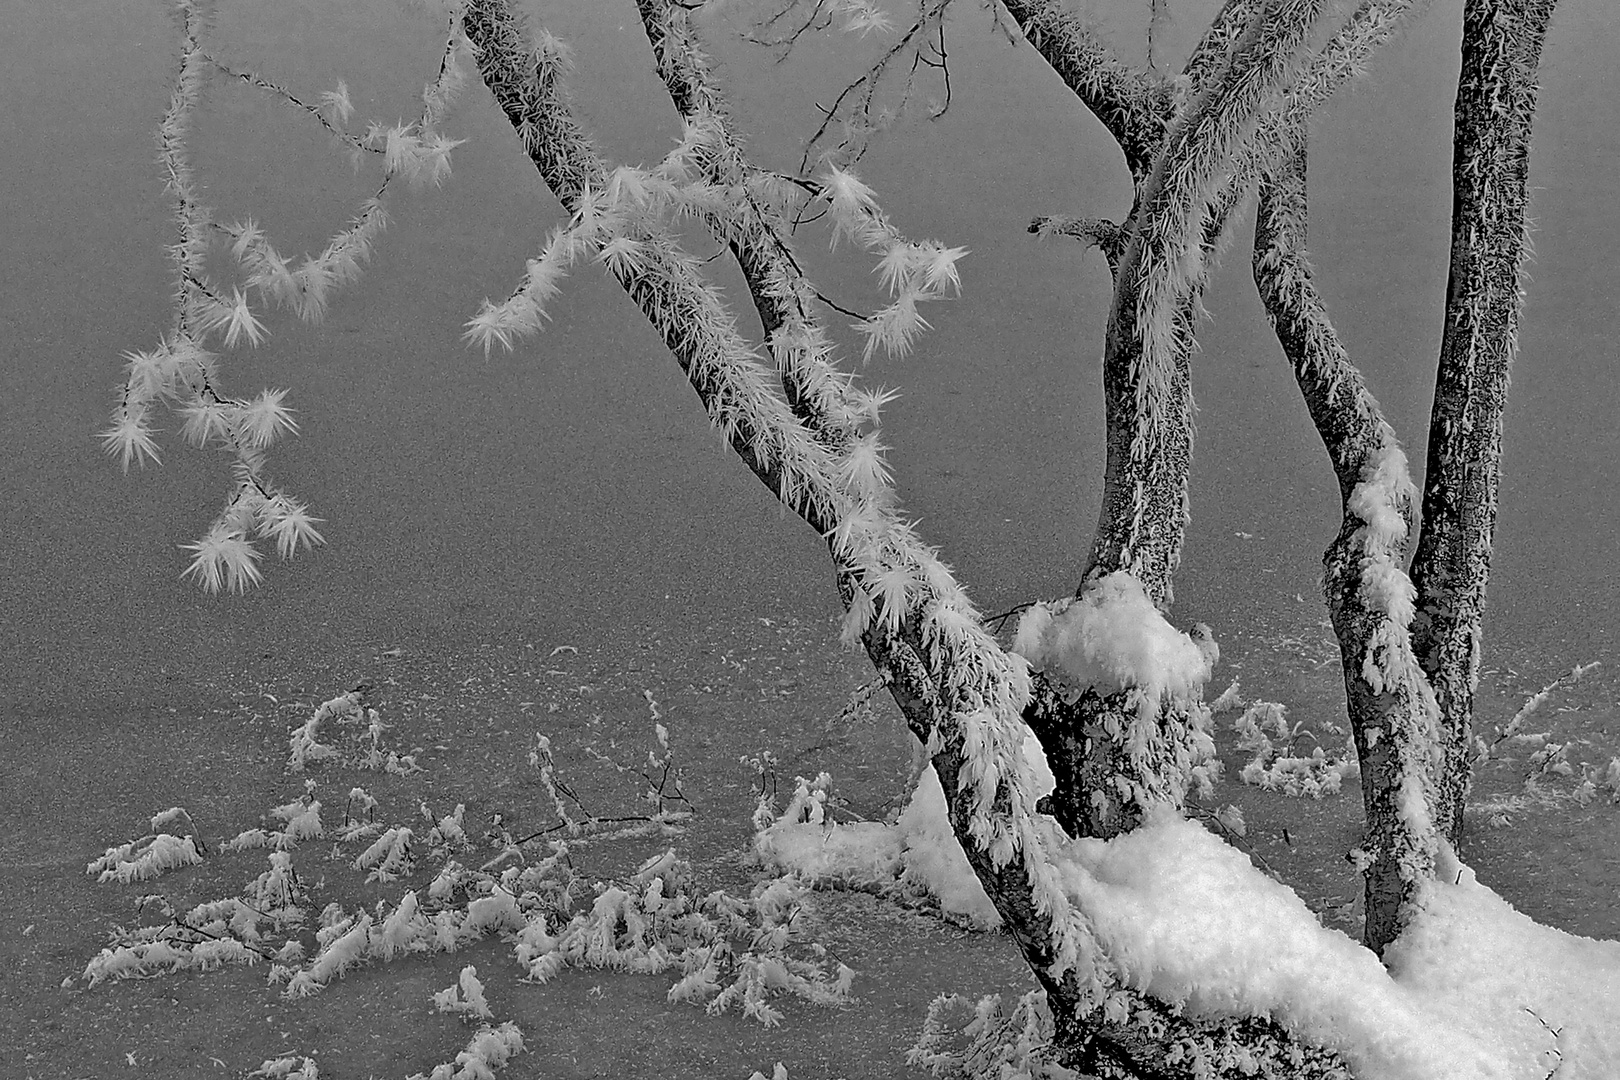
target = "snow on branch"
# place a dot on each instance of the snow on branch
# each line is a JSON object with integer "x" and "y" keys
{"x": 466, "y": 998}
{"x": 1459, "y": 998}
{"x": 292, "y": 1067}
{"x": 148, "y": 857}
{"x": 301, "y": 821}
{"x": 1146, "y": 678}
{"x": 489, "y": 1049}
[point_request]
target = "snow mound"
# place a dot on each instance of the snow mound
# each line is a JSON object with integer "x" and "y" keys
{"x": 1489, "y": 967}
{"x": 1188, "y": 919}
{"x": 1113, "y": 638}
{"x": 1473, "y": 990}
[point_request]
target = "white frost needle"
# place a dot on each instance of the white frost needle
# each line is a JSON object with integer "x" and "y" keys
{"x": 336, "y": 104}
{"x": 492, "y": 324}
{"x": 863, "y": 469}
{"x": 432, "y": 162}
{"x": 289, "y": 523}
{"x": 851, "y": 203}
{"x": 939, "y": 270}
{"x": 896, "y": 265}
{"x": 240, "y": 322}
{"x": 223, "y": 559}
{"x": 622, "y": 256}
{"x": 892, "y": 588}
{"x": 206, "y": 420}
{"x": 869, "y": 403}
{"x": 310, "y": 284}
{"x": 857, "y": 618}
{"x": 148, "y": 374}
{"x": 628, "y": 187}
{"x": 895, "y": 328}
{"x": 267, "y": 271}
{"x": 864, "y": 17}
{"x": 248, "y": 238}
{"x": 266, "y": 419}
{"x": 129, "y": 439}
{"x": 400, "y": 147}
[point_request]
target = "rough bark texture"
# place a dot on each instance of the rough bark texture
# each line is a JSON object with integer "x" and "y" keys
{"x": 1496, "y": 100}
{"x": 1391, "y": 708}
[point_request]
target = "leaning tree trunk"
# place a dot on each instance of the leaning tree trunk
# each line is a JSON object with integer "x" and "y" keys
{"x": 1496, "y": 102}
{"x": 956, "y": 688}
{"x": 1391, "y": 707}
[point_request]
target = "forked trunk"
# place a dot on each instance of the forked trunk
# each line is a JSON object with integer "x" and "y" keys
{"x": 1391, "y": 707}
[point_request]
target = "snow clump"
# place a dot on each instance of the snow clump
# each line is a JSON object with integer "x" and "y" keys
{"x": 1113, "y": 638}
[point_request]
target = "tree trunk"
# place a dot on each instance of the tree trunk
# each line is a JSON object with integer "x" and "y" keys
{"x": 1496, "y": 102}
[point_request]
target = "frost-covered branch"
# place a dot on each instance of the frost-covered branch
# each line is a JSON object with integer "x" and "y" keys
{"x": 1391, "y": 705}
{"x": 1100, "y": 233}
{"x": 1135, "y": 106}
{"x": 182, "y": 373}
{"x": 1496, "y": 102}
{"x": 1214, "y": 48}
{"x": 753, "y": 227}
{"x": 1345, "y": 55}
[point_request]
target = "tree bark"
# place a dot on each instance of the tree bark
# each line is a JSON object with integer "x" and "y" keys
{"x": 1496, "y": 101}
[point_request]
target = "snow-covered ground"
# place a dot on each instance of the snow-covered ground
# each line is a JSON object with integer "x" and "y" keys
{"x": 1473, "y": 989}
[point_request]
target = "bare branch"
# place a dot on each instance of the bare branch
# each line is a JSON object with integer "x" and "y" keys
{"x": 854, "y": 109}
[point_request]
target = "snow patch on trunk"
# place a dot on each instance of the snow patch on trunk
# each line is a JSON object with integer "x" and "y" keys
{"x": 1113, "y": 638}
